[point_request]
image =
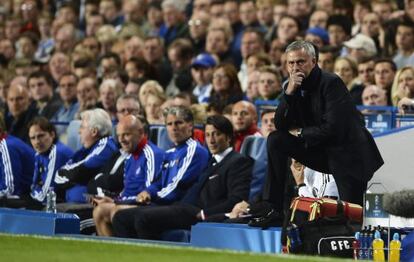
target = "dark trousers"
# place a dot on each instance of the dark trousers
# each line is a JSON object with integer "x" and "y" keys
{"x": 25, "y": 201}
{"x": 148, "y": 222}
{"x": 282, "y": 145}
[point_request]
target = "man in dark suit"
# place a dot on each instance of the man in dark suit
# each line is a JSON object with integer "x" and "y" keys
{"x": 318, "y": 125}
{"x": 224, "y": 183}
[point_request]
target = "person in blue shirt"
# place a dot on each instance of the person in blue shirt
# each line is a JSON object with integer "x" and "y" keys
{"x": 182, "y": 164}
{"x": 16, "y": 166}
{"x": 50, "y": 156}
{"x": 98, "y": 147}
{"x": 141, "y": 168}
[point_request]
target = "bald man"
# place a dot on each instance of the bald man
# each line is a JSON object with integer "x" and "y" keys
{"x": 141, "y": 168}
{"x": 374, "y": 96}
{"x": 244, "y": 120}
{"x": 20, "y": 112}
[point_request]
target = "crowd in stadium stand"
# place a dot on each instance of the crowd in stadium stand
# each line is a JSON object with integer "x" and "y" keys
{"x": 77, "y": 68}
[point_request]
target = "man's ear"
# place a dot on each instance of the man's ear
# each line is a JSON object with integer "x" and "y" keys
{"x": 95, "y": 132}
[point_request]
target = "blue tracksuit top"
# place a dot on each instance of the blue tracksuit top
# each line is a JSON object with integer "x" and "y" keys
{"x": 83, "y": 166}
{"x": 181, "y": 168}
{"x": 16, "y": 166}
{"x": 46, "y": 165}
{"x": 141, "y": 170}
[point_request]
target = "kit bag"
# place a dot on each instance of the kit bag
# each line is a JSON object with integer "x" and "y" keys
{"x": 321, "y": 226}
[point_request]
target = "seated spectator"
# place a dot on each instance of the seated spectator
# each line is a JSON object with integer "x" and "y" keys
{"x": 339, "y": 29}
{"x": 267, "y": 122}
{"x": 403, "y": 90}
{"x": 202, "y": 69}
{"x": 40, "y": 84}
{"x": 127, "y": 105}
{"x": 360, "y": 46}
{"x": 404, "y": 40}
{"x": 149, "y": 87}
{"x": 327, "y": 56}
{"x": 270, "y": 84}
{"x": 182, "y": 164}
{"x": 98, "y": 147}
{"x": 109, "y": 91}
{"x": 318, "y": 36}
{"x": 87, "y": 94}
{"x": 252, "y": 91}
{"x": 152, "y": 108}
{"x": 384, "y": 73}
{"x": 16, "y": 166}
{"x": 184, "y": 99}
{"x": 347, "y": 70}
{"x": 374, "y": 96}
{"x": 21, "y": 112}
{"x": 244, "y": 120}
{"x": 225, "y": 182}
{"x": 226, "y": 85}
{"x": 141, "y": 168}
{"x": 70, "y": 105}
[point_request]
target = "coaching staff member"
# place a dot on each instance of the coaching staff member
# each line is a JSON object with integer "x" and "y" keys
{"x": 319, "y": 126}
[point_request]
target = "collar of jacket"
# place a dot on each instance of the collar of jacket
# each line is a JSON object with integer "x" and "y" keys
{"x": 139, "y": 147}
{"x": 313, "y": 77}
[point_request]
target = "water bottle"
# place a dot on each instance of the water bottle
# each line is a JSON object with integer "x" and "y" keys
{"x": 51, "y": 200}
{"x": 395, "y": 247}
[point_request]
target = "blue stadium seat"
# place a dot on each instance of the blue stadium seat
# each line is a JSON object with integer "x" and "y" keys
{"x": 255, "y": 147}
{"x": 159, "y": 136}
{"x": 73, "y": 138}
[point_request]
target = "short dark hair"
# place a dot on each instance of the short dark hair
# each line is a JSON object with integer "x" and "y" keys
{"x": 222, "y": 124}
{"x": 387, "y": 60}
{"x": 45, "y": 125}
{"x": 41, "y": 74}
{"x": 342, "y": 21}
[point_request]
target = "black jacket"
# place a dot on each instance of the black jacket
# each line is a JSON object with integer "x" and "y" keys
{"x": 222, "y": 186}
{"x": 323, "y": 107}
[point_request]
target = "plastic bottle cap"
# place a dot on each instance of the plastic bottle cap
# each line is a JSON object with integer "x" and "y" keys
{"x": 377, "y": 234}
{"x": 396, "y": 236}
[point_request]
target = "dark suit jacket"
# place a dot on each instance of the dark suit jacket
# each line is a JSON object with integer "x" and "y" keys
{"x": 222, "y": 186}
{"x": 323, "y": 107}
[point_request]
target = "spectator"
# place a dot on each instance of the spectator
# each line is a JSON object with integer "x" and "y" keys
{"x": 319, "y": 18}
{"x": 142, "y": 167}
{"x": 46, "y": 43}
{"x": 65, "y": 39}
{"x": 98, "y": 147}
{"x": 404, "y": 40}
{"x": 361, "y": 8}
{"x": 384, "y": 73}
{"x": 133, "y": 48}
{"x": 59, "y": 64}
{"x": 360, "y": 47}
{"x": 366, "y": 71}
{"x": 201, "y": 6}
{"x": 67, "y": 111}
{"x": 155, "y": 18}
{"x": 198, "y": 25}
{"x": 152, "y": 108}
{"x": 127, "y": 105}
{"x": 270, "y": 84}
{"x": 41, "y": 91}
{"x": 27, "y": 45}
{"x": 253, "y": 62}
{"x": 154, "y": 55}
{"x": 7, "y": 49}
{"x": 93, "y": 23}
{"x": 110, "y": 10}
{"x": 275, "y": 52}
{"x": 244, "y": 120}
{"x": 288, "y": 29}
{"x": 202, "y": 69}
{"x": 211, "y": 197}
{"x": 109, "y": 91}
{"x": 372, "y": 27}
{"x": 20, "y": 111}
{"x": 217, "y": 9}
{"x": 134, "y": 13}
{"x": 264, "y": 13}
{"x": 226, "y": 85}
{"x": 92, "y": 44}
{"x": 174, "y": 26}
{"x": 402, "y": 91}
{"x": 327, "y": 57}
{"x": 339, "y": 30}
{"x": 149, "y": 87}
{"x": 267, "y": 122}
{"x": 318, "y": 36}
{"x": 218, "y": 42}
{"x": 347, "y": 70}
{"x": 252, "y": 91}
{"x": 180, "y": 53}
{"x": 374, "y": 96}
{"x": 87, "y": 95}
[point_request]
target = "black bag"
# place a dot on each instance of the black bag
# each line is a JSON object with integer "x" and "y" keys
{"x": 326, "y": 236}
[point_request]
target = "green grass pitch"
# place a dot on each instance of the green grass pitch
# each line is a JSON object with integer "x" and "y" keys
{"x": 36, "y": 248}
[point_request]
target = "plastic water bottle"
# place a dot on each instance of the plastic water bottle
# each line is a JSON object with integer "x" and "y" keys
{"x": 395, "y": 247}
{"x": 51, "y": 200}
{"x": 378, "y": 247}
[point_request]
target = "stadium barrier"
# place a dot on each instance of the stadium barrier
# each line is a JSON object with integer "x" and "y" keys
{"x": 19, "y": 221}
{"x": 236, "y": 237}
